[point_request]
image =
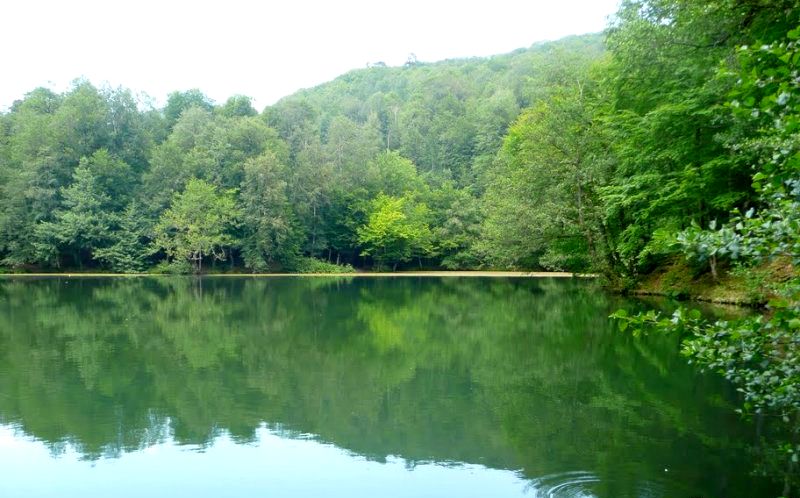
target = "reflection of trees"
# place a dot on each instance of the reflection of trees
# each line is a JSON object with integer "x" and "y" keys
{"x": 514, "y": 374}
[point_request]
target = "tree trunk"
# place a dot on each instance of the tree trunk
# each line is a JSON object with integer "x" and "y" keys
{"x": 713, "y": 264}
{"x": 314, "y": 229}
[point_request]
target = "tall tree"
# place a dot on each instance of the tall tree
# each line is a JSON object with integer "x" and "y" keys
{"x": 82, "y": 225}
{"x": 270, "y": 234}
{"x": 542, "y": 205}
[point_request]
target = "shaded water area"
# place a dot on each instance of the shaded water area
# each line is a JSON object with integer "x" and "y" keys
{"x": 351, "y": 387}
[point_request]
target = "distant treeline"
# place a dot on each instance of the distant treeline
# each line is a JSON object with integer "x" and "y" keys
{"x": 585, "y": 154}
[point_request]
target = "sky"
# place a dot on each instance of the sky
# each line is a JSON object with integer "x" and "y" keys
{"x": 263, "y": 49}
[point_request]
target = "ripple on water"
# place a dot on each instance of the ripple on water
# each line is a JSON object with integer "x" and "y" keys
{"x": 566, "y": 484}
{"x": 580, "y": 484}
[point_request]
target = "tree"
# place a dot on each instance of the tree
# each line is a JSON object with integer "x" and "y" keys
{"x": 84, "y": 223}
{"x": 455, "y": 225}
{"x": 673, "y": 142}
{"x": 197, "y": 224}
{"x": 396, "y": 230}
{"x": 178, "y": 102}
{"x": 270, "y": 234}
{"x": 238, "y": 106}
{"x": 541, "y": 204}
{"x": 391, "y": 173}
{"x": 760, "y": 354}
{"x": 129, "y": 247}
{"x": 113, "y": 177}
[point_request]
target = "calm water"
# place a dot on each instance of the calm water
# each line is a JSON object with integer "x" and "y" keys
{"x": 292, "y": 387}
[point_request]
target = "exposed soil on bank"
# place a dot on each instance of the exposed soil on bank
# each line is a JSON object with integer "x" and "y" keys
{"x": 753, "y": 287}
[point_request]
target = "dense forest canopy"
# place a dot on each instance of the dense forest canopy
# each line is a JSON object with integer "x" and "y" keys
{"x": 583, "y": 154}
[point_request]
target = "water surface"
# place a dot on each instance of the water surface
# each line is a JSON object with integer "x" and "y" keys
{"x": 350, "y": 387}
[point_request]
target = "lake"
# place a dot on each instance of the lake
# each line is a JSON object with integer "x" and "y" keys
{"x": 353, "y": 387}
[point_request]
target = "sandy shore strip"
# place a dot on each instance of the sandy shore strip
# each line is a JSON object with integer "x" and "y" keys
{"x": 482, "y": 274}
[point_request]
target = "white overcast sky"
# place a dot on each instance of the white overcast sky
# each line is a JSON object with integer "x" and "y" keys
{"x": 262, "y": 49}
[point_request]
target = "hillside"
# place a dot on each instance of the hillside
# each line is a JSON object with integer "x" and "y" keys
{"x": 92, "y": 181}
{"x": 448, "y": 117}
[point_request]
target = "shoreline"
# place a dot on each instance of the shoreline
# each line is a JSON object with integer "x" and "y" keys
{"x": 470, "y": 274}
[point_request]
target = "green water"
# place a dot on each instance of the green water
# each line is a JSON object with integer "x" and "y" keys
{"x": 352, "y": 388}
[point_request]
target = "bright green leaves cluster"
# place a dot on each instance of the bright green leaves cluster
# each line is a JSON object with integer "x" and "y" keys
{"x": 396, "y": 230}
{"x": 198, "y": 224}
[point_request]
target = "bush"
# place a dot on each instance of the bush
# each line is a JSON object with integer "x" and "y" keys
{"x": 314, "y": 265}
{"x": 178, "y": 267}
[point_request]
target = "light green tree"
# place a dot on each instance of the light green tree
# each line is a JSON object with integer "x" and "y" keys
{"x": 197, "y": 224}
{"x": 396, "y": 230}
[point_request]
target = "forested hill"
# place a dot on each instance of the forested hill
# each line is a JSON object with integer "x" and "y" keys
{"x": 590, "y": 153}
{"x": 90, "y": 180}
{"x": 447, "y": 117}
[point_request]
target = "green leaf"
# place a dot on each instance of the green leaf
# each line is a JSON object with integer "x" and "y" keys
{"x": 779, "y": 303}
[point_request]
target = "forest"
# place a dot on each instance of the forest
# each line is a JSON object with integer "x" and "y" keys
{"x": 608, "y": 153}
{"x": 670, "y": 140}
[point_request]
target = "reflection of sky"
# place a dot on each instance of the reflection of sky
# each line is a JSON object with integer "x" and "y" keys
{"x": 274, "y": 466}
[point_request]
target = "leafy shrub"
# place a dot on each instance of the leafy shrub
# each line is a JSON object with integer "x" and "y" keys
{"x": 314, "y": 265}
{"x": 178, "y": 267}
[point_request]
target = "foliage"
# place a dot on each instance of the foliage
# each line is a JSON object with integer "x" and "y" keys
{"x": 396, "y": 230}
{"x": 314, "y": 265}
{"x": 307, "y": 170}
{"x": 129, "y": 247}
{"x": 270, "y": 234}
{"x": 541, "y": 205}
{"x": 179, "y": 102}
{"x": 584, "y": 154}
{"x": 83, "y": 224}
{"x": 197, "y": 224}
{"x": 760, "y": 354}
